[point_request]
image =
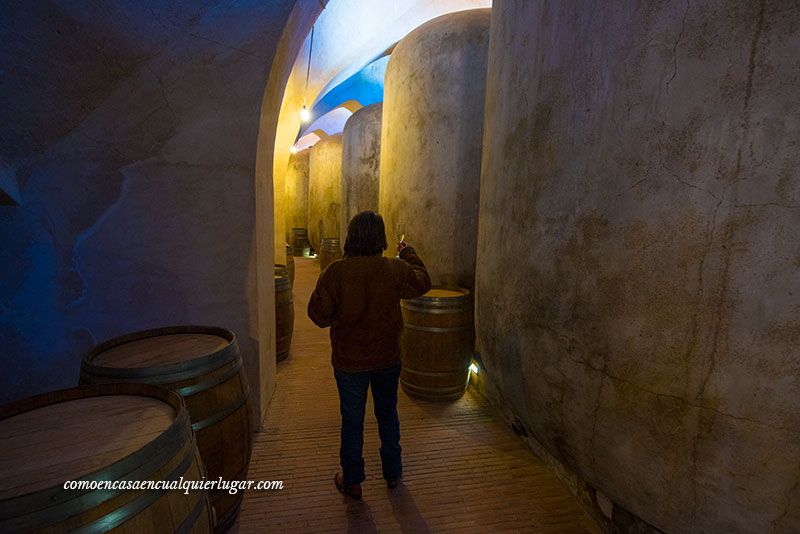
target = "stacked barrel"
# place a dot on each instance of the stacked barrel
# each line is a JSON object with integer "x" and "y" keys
{"x": 331, "y": 251}
{"x": 284, "y": 313}
{"x": 204, "y": 366}
{"x": 110, "y": 433}
{"x": 166, "y": 405}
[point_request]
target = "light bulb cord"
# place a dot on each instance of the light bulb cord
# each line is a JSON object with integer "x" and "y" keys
{"x": 308, "y": 66}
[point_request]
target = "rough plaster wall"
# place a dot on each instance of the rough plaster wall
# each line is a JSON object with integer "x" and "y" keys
{"x": 133, "y": 136}
{"x": 361, "y": 155}
{"x": 431, "y": 142}
{"x": 638, "y": 283}
{"x": 297, "y": 192}
{"x": 324, "y": 190}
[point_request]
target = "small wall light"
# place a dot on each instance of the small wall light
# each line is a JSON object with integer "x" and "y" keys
{"x": 305, "y": 114}
{"x": 474, "y": 368}
{"x": 293, "y": 149}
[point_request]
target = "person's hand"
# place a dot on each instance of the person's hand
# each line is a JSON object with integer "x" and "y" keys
{"x": 401, "y": 245}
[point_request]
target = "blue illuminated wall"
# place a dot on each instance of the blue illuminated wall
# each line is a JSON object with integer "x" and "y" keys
{"x": 128, "y": 139}
{"x": 364, "y": 87}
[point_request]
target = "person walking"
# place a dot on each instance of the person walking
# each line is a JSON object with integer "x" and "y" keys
{"x": 359, "y": 298}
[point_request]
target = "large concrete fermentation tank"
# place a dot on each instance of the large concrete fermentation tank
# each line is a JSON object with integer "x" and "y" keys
{"x": 324, "y": 190}
{"x": 296, "y": 191}
{"x": 361, "y": 152}
{"x": 431, "y": 143}
{"x": 638, "y": 280}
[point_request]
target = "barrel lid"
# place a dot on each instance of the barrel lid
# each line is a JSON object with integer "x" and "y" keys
{"x": 443, "y": 293}
{"x": 51, "y": 444}
{"x": 160, "y": 350}
{"x": 163, "y": 350}
{"x": 441, "y": 297}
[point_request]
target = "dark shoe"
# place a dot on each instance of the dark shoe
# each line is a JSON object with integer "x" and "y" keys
{"x": 392, "y": 484}
{"x": 353, "y": 491}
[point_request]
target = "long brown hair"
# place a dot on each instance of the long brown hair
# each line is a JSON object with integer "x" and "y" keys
{"x": 366, "y": 235}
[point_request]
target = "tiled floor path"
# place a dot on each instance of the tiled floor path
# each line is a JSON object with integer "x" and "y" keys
{"x": 464, "y": 471}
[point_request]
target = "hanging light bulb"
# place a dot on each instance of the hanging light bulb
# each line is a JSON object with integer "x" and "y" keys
{"x": 305, "y": 114}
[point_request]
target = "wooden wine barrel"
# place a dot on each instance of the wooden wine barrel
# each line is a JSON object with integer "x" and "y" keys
{"x": 105, "y": 432}
{"x": 299, "y": 240}
{"x": 203, "y": 364}
{"x": 281, "y": 270}
{"x": 437, "y": 344}
{"x": 330, "y": 252}
{"x": 290, "y": 263}
{"x": 284, "y": 315}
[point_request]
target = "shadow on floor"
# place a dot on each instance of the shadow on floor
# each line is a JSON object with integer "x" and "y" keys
{"x": 359, "y": 518}
{"x": 405, "y": 511}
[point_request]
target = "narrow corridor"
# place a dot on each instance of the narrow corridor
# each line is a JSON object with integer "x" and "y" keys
{"x": 463, "y": 470}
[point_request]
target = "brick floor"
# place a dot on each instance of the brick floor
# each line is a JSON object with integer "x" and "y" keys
{"x": 463, "y": 470}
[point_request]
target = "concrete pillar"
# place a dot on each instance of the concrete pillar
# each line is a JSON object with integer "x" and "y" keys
{"x": 639, "y": 262}
{"x": 324, "y": 190}
{"x": 431, "y": 142}
{"x": 296, "y": 193}
{"x": 361, "y": 152}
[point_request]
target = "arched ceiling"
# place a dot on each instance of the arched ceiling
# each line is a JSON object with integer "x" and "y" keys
{"x": 350, "y": 34}
{"x": 350, "y": 41}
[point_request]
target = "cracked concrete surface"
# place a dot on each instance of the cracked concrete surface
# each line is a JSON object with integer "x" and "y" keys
{"x": 638, "y": 201}
{"x": 361, "y": 155}
{"x": 296, "y": 191}
{"x": 325, "y": 190}
{"x": 431, "y": 143}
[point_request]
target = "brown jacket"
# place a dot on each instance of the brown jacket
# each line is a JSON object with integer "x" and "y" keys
{"x": 359, "y": 298}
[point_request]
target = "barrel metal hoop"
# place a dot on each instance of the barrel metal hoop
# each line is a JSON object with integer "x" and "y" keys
{"x": 435, "y": 373}
{"x": 130, "y": 509}
{"x": 193, "y": 367}
{"x": 219, "y": 416}
{"x": 434, "y": 311}
{"x": 188, "y": 391}
{"x": 106, "y": 374}
{"x": 53, "y": 510}
{"x": 188, "y": 523}
{"x": 149, "y": 457}
{"x": 438, "y": 329}
{"x": 435, "y": 392}
{"x": 463, "y": 300}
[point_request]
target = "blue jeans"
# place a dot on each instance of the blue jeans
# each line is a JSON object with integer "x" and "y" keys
{"x": 352, "y": 404}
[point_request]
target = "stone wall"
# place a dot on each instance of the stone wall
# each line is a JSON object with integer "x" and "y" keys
{"x": 131, "y": 129}
{"x": 638, "y": 255}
